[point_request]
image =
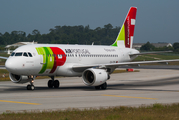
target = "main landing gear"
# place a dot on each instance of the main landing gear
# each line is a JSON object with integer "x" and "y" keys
{"x": 102, "y": 87}
{"x": 53, "y": 83}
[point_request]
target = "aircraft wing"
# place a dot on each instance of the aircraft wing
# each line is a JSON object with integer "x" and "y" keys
{"x": 142, "y": 62}
{"x": 3, "y": 57}
{"x": 144, "y": 53}
{"x": 80, "y": 68}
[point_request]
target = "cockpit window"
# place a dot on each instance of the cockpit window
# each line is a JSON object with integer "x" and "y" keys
{"x": 25, "y": 54}
{"x": 30, "y": 55}
{"x": 13, "y": 54}
{"x": 18, "y": 54}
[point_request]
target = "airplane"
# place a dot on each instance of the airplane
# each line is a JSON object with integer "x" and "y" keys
{"x": 94, "y": 63}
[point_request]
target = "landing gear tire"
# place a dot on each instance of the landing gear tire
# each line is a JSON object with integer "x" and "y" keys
{"x": 30, "y": 87}
{"x": 56, "y": 84}
{"x": 102, "y": 87}
{"x": 97, "y": 87}
{"x": 50, "y": 83}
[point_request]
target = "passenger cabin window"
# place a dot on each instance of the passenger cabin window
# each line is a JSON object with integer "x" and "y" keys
{"x": 25, "y": 54}
{"x": 18, "y": 54}
{"x": 13, "y": 54}
{"x": 30, "y": 55}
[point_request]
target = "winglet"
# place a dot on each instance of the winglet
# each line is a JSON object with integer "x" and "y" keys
{"x": 126, "y": 34}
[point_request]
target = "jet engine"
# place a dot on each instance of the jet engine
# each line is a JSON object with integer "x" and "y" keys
{"x": 94, "y": 77}
{"x": 19, "y": 78}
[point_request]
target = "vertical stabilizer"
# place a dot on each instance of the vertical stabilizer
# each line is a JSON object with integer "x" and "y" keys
{"x": 126, "y": 34}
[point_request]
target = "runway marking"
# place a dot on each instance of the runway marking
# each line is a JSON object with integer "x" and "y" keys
{"x": 20, "y": 102}
{"x": 130, "y": 97}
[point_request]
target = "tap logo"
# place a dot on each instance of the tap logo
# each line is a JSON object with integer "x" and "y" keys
{"x": 125, "y": 36}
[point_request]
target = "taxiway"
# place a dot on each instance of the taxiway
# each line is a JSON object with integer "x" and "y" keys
{"x": 146, "y": 87}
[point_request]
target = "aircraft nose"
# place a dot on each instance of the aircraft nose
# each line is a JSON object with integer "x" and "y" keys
{"x": 10, "y": 66}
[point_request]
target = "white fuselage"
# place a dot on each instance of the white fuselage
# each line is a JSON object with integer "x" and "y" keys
{"x": 58, "y": 60}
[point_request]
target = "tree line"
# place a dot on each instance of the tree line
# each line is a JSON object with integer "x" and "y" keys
{"x": 65, "y": 35}
{"x": 149, "y": 47}
{"x": 74, "y": 35}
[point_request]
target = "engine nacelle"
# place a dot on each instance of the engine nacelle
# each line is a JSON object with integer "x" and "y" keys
{"x": 19, "y": 78}
{"x": 94, "y": 77}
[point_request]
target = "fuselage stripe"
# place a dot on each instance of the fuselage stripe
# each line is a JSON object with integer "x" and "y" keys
{"x": 44, "y": 67}
{"x": 50, "y": 59}
{"x": 55, "y": 60}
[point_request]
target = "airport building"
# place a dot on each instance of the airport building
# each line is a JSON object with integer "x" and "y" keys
{"x": 15, "y": 45}
{"x": 157, "y": 45}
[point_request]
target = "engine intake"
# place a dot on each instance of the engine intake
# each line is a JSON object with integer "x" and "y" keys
{"x": 19, "y": 78}
{"x": 94, "y": 77}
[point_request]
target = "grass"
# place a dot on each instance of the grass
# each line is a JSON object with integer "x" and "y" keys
{"x": 122, "y": 71}
{"x": 153, "y": 112}
{"x": 2, "y": 61}
{"x": 157, "y": 57}
{"x": 4, "y": 75}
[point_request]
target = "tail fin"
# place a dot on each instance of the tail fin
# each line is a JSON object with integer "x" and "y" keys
{"x": 125, "y": 36}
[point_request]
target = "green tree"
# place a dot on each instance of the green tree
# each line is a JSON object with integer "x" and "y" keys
{"x": 176, "y": 47}
{"x": 35, "y": 32}
{"x": 147, "y": 47}
{"x": 108, "y": 28}
{"x": 1, "y": 39}
{"x": 36, "y": 36}
{"x": 65, "y": 35}
{"x": 165, "y": 48}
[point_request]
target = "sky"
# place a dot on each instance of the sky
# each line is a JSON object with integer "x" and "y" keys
{"x": 156, "y": 21}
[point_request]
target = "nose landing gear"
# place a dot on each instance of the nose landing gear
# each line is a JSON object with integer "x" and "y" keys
{"x": 31, "y": 85}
